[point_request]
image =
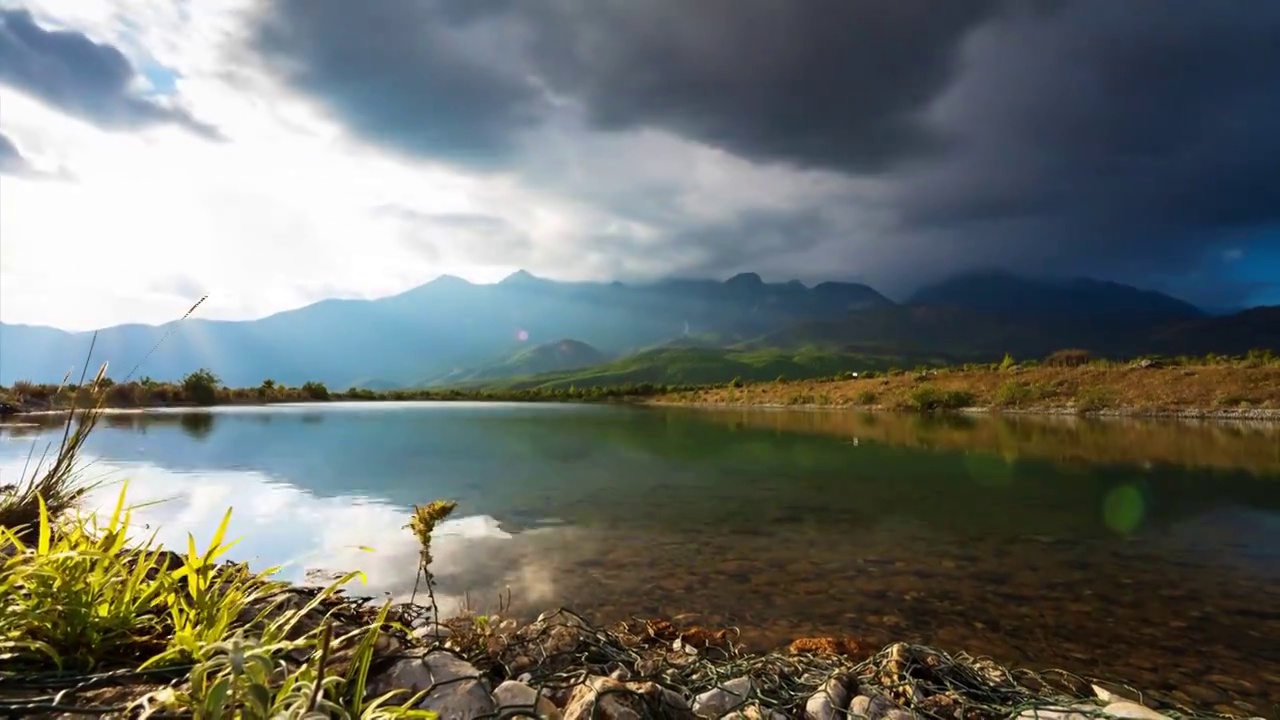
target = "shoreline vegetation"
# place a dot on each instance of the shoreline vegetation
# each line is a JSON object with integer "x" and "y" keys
{"x": 1068, "y": 382}
{"x": 100, "y": 620}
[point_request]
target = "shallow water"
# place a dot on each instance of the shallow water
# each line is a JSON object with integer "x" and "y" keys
{"x": 1145, "y": 552}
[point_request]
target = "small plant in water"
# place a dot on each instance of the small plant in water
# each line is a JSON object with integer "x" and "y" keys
{"x": 423, "y": 523}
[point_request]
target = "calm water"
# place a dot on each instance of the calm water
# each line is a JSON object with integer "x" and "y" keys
{"x": 1141, "y": 551}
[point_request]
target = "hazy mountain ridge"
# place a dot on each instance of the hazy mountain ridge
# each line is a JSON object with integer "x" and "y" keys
{"x": 450, "y": 328}
{"x": 446, "y": 325}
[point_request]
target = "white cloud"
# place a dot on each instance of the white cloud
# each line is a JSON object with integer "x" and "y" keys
{"x": 284, "y": 212}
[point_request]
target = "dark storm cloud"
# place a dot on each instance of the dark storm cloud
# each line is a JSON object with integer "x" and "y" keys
{"x": 1120, "y": 139}
{"x": 1135, "y": 134}
{"x": 828, "y": 82}
{"x": 430, "y": 77}
{"x": 72, "y": 72}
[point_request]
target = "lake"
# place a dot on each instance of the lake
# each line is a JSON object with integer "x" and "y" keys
{"x": 1141, "y": 551}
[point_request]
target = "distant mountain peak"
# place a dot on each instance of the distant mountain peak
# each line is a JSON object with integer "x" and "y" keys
{"x": 520, "y": 276}
{"x": 447, "y": 279}
{"x": 746, "y": 279}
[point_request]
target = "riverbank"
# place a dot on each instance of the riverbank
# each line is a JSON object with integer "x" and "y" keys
{"x": 1231, "y": 391}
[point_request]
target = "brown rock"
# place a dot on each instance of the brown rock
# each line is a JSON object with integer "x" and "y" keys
{"x": 845, "y": 646}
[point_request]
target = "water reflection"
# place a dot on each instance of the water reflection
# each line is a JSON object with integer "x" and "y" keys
{"x": 1110, "y": 548}
{"x": 475, "y": 560}
{"x": 197, "y": 425}
{"x": 1067, "y": 439}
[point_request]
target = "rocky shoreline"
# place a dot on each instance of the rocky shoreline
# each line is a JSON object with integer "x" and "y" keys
{"x": 560, "y": 667}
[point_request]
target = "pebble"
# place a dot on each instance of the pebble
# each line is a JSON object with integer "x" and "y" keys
{"x": 1133, "y": 711}
{"x": 828, "y": 702}
{"x": 719, "y": 700}
{"x": 512, "y": 695}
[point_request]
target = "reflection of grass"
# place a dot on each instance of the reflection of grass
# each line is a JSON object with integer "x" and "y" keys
{"x": 1254, "y": 448}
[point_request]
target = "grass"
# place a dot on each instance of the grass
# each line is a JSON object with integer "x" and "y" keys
{"x": 83, "y": 595}
{"x": 1069, "y": 383}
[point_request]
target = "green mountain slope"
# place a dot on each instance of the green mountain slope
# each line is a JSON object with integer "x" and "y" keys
{"x": 695, "y": 366}
{"x": 558, "y": 356}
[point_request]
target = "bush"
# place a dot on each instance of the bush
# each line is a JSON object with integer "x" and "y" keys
{"x": 927, "y": 398}
{"x": 201, "y": 387}
{"x": 1008, "y": 362}
{"x": 867, "y": 397}
{"x": 1013, "y": 393}
{"x": 315, "y": 390}
{"x": 1092, "y": 399}
{"x": 1070, "y": 357}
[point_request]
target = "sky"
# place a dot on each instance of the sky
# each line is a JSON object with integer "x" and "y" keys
{"x": 272, "y": 153}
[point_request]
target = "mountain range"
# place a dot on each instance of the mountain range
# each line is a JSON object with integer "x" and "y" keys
{"x": 450, "y": 331}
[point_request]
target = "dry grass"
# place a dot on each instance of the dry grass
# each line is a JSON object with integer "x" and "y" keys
{"x": 1096, "y": 387}
{"x": 54, "y": 485}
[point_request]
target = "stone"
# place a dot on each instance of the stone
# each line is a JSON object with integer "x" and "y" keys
{"x": 1132, "y": 710}
{"x": 829, "y": 701}
{"x": 455, "y": 690}
{"x": 1078, "y": 711}
{"x": 1204, "y": 695}
{"x": 870, "y": 707}
{"x": 723, "y": 698}
{"x": 603, "y": 698}
{"x": 512, "y": 695}
{"x": 753, "y": 712}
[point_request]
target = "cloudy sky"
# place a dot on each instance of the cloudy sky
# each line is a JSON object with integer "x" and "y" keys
{"x": 272, "y": 153}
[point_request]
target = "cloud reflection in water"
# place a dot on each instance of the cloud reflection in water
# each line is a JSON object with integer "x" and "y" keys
{"x": 475, "y": 560}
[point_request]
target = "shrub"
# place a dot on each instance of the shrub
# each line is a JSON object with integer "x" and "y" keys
{"x": 315, "y": 390}
{"x": 927, "y": 398}
{"x": 1092, "y": 399}
{"x": 1069, "y": 357}
{"x": 1008, "y": 362}
{"x": 867, "y": 397}
{"x": 201, "y": 387}
{"x": 1013, "y": 393}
